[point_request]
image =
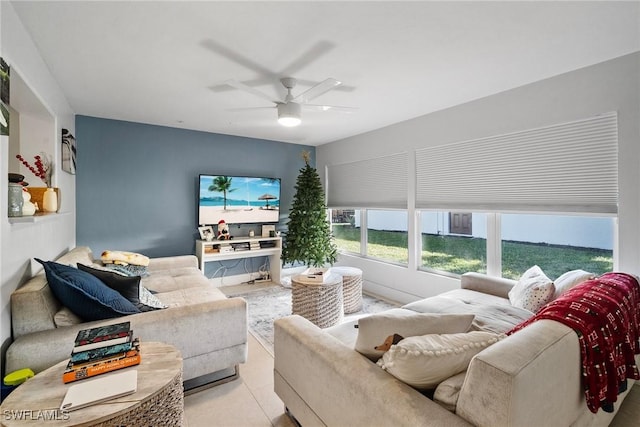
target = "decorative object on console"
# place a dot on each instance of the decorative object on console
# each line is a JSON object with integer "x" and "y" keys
{"x": 267, "y": 229}
{"x": 68, "y": 152}
{"x": 206, "y": 232}
{"x": 308, "y": 239}
{"x": 223, "y": 231}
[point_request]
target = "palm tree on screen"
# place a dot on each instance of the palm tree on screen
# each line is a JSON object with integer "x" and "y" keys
{"x": 222, "y": 184}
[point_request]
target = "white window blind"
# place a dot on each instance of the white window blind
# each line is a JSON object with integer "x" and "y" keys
{"x": 372, "y": 183}
{"x": 569, "y": 167}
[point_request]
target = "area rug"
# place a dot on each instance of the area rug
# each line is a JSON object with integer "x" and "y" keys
{"x": 274, "y": 302}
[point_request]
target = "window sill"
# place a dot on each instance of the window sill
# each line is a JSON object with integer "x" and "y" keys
{"x": 38, "y": 217}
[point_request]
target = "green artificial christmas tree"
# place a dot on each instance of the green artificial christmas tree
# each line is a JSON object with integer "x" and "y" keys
{"x": 308, "y": 238}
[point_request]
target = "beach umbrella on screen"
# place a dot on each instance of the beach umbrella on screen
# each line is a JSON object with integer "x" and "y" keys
{"x": 267, "y": 197}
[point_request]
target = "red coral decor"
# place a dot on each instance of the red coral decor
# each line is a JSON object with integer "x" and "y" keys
{"x": 605, "y": 313}
{"x": 41, "y": 168}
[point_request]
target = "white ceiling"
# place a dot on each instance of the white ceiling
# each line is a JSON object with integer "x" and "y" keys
{"x": 165, "y": 63}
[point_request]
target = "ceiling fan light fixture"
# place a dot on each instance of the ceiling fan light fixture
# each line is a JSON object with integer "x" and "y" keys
{"x": 289, "y": 114}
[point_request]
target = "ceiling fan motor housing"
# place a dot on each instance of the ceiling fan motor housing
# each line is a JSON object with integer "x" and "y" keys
{"x": 289, "y": 113}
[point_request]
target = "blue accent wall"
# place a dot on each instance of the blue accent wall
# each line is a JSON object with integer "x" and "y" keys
{"x": 137, "y": 184}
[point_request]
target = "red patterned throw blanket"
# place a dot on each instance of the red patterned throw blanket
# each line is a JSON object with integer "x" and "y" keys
{"x": 605, "y": 313}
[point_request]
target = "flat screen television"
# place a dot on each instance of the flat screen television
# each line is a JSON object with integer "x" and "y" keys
{"x": 238, "y": 199}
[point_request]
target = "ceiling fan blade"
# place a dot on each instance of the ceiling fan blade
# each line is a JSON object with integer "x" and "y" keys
{"x": 317, "y": 90}
{"x": 329, "y": 108}
{"x": 244, "y": 87}
{"x": 315, "y": 52}
{"x": 251, "y": 108}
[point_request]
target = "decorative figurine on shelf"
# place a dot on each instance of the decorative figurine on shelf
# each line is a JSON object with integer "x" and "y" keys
{"x": 223, "y": 231}
{"x": 28, "y": 208}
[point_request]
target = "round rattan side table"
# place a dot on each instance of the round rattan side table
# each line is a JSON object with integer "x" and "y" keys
{"x": 319, "y": 302}
{"x": 351, "y": 287}
{"x": 159, "y": 399}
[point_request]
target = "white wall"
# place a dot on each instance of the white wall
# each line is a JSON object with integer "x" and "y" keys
{"x": 47, "y": 239}
{"x": 610, "y": 86}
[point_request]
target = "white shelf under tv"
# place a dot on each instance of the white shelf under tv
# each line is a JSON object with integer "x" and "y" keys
{"x": 204, "y": 252}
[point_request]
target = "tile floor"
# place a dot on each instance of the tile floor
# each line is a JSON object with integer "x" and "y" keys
{"x": 248, "y": 401}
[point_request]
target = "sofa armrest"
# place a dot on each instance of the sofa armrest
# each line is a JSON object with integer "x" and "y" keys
{"x": 531, "y": 378}
{"x": 341, "y": 387}
{"x": 497, "y": 286}
{"x": 194, "y": 329}
{"x": 172, "y": 262}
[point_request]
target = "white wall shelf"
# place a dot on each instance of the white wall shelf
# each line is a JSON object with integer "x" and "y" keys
{"x": 38, "y": 217}
{"x": 206, "y": 252}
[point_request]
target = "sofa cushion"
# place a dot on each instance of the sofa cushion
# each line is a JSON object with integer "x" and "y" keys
{"x": 84, "y": 294}
{"x": 190, "y": 296}
{"x": 533, "y": 290}
{"x": 447, "y": 391}
{"x": 374, "y": 329}
{"x": 492, "y": 313}
{"x": 570, "y": 279}
{"x": 128, "y": 286}
{"x": 425, "y": 361}
{"x": 175, "y": 279}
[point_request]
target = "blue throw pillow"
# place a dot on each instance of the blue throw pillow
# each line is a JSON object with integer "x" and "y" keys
{"x": 127, "y": 286}
{"x": 84, "y": 294}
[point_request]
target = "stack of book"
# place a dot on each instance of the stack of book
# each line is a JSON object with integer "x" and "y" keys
{"x": 100, "y": 350}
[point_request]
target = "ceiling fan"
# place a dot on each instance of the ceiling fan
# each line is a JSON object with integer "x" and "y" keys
{"x": 290, "y": 109}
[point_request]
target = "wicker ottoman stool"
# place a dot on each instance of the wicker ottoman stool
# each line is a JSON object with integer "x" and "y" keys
{"x": 351, "y": 288}
{"x": 318, "y": 302}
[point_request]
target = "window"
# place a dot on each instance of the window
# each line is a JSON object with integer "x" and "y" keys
{"x": 387, "y": 237}
{"x": 453, "y": 242}
{"x": 345, "y": 225}
{"x": 556, "y": 243}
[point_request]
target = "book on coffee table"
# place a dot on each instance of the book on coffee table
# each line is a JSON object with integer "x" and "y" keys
{"x": 100, "y": 390}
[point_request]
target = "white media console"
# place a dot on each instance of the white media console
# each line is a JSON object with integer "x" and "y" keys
{"x": 221, "y": 250}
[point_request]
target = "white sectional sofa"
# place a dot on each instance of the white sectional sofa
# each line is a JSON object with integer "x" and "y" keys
{"x": 530, "y": 378}
{"x": 209, "y": 329}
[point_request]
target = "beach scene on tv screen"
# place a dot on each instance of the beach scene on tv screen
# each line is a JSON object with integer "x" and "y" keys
{"x": 238, "y": 200}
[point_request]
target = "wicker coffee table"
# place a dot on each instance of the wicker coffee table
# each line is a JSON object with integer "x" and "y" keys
{"x": 319, "y": 302}
{"x": 351, "y": 288}
{"x": 157, "y": 401}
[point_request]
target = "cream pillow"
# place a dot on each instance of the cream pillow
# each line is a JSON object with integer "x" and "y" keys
{"x": 570, "y": 279}
{"x": 424, "y": 362}
{"x": 374, "y": 329}
{"x": 533, "y": 290}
